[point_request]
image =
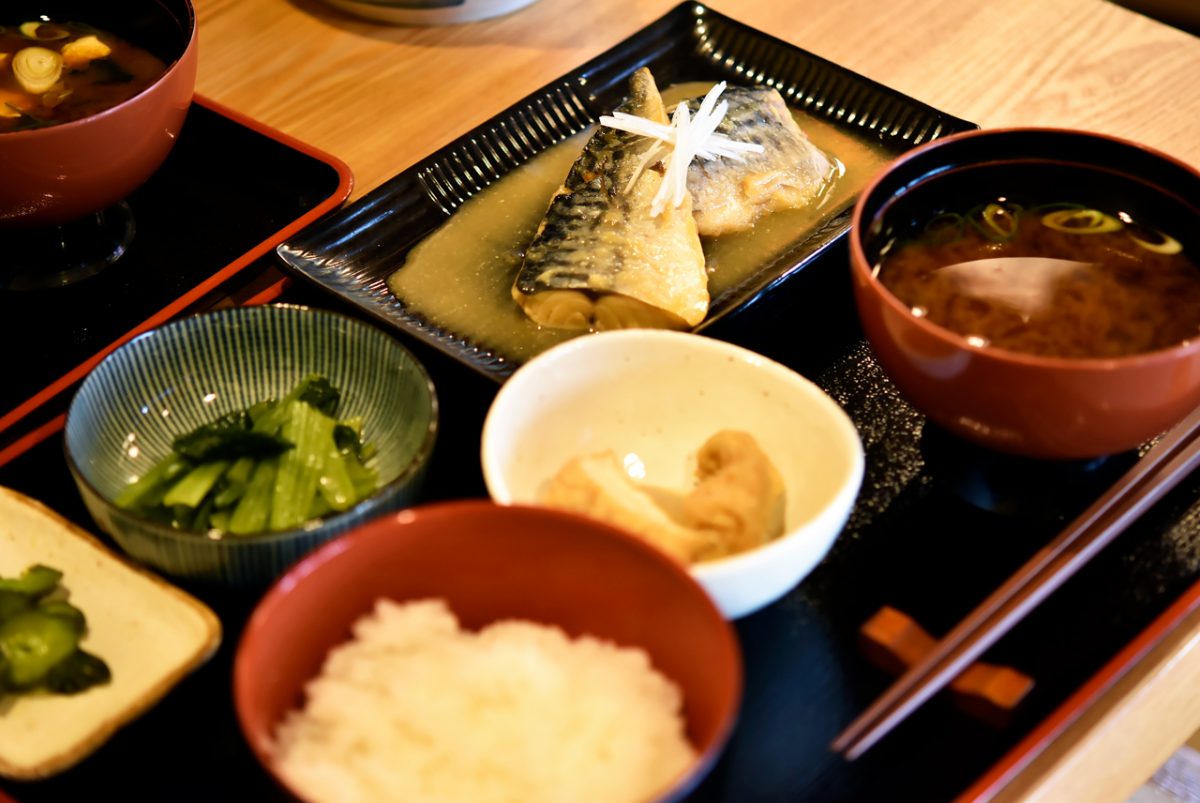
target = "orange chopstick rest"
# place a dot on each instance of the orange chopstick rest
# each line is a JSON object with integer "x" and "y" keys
{"x": 894, "y": 641}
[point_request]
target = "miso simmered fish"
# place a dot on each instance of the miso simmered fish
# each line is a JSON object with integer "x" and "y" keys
{"x": 600, "y": 259}
{"x": 790, "y": 172}
{"x": 463, "y": 277}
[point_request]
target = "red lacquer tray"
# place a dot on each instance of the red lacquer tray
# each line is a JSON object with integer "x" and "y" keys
{"x": 231, "y": 190}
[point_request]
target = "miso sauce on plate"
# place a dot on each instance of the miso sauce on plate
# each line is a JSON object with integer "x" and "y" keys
{"x": 460, "y": 276}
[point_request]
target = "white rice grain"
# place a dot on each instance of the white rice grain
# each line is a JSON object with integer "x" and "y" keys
{"x": 414, "y": 708}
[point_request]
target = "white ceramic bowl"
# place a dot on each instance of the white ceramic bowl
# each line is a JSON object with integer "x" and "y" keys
{"x": 654, "y": 397}
{"x": 430, "y": 12}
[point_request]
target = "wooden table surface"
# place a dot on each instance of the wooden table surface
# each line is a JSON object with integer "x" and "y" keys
{"x": 380, "y": 97}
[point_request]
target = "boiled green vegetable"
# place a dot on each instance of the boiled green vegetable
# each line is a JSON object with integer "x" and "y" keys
{"x": 272, "y": 466}
{"x": 229, "y": 437}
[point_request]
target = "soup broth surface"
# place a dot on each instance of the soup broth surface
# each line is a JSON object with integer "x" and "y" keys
{"x": 1061, "y": 280}
{"x": 97, "y": 70}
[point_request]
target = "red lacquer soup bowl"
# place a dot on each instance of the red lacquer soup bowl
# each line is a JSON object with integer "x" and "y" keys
{"x": 1012, "y": 400}
{"x": 62, "y": 172}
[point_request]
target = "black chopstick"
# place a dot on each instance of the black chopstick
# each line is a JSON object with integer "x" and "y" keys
{"x": 1156, "y": 473}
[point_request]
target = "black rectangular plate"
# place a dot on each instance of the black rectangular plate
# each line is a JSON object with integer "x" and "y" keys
{"x": 352, "y": 253}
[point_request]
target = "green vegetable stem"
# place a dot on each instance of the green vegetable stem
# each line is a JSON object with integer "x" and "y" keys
{"x": 272, "y": 466}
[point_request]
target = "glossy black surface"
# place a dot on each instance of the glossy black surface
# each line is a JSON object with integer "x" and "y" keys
{"x": 1034, "y": 166}
{"x": 52, "y": 257}
{"x": 224, "y": 189}
{"x": 937, "y": 526}
{"x": 352, "y": 253}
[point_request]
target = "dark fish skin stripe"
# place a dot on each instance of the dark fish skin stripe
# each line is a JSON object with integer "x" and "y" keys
{"x": 746, "y": 119}
{"x": 592, "y": 188}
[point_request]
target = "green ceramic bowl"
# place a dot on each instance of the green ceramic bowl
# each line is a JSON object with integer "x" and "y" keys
{"x": 174, "y": 378}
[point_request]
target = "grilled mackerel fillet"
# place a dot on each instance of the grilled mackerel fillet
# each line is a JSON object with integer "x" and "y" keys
{"x": 791, "y": 172}
{"x": 598, "y": 259}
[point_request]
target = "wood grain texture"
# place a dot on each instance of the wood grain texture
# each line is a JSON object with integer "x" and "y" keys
{"x": 381, "y": 97}
{"x": 1115, "y": 747}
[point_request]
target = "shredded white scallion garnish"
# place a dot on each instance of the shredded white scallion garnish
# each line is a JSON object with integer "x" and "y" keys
{"x": 686, "y": 137}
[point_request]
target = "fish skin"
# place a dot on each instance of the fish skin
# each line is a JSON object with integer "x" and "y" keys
{"x": 599, "y": 241}
{"x": 791, "y": 172}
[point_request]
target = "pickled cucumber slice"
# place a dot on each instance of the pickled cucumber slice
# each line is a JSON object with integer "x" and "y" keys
{"x": 32, "y": 643}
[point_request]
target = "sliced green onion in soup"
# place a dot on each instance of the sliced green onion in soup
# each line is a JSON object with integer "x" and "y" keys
{"x": 37, "y": 69}
{"x": 1153, "y": 240}
{"x": 1081, "y": 221}
{"x": 996, "y": 221}
{"x": 43, "y": 31}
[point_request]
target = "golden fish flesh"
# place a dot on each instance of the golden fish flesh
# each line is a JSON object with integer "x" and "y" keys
{"x": 600, "y": 259}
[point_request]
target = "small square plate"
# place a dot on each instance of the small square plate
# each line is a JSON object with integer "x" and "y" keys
{"x": 353, "y": 252}
{"x": 149, "y": 633}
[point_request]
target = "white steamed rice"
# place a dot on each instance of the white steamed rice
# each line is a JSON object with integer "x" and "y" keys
{"x": 414, "y": 708}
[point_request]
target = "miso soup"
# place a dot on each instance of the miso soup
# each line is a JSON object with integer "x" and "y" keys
{"x": 1062, "y": 279}
{"x": 56, "y": 71}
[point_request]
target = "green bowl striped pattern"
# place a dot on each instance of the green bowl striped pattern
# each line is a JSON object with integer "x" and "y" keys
{"x": 172, "y": 379}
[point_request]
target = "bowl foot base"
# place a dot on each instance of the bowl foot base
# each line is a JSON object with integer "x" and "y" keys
{"x": 58, "y": 256}
{"x": 1019, "y": 486}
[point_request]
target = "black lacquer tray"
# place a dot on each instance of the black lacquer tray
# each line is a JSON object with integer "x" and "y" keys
{"x": 229, "y": 192}
{"x": 352, "y": 253}
{"x": 937, "y": 526}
